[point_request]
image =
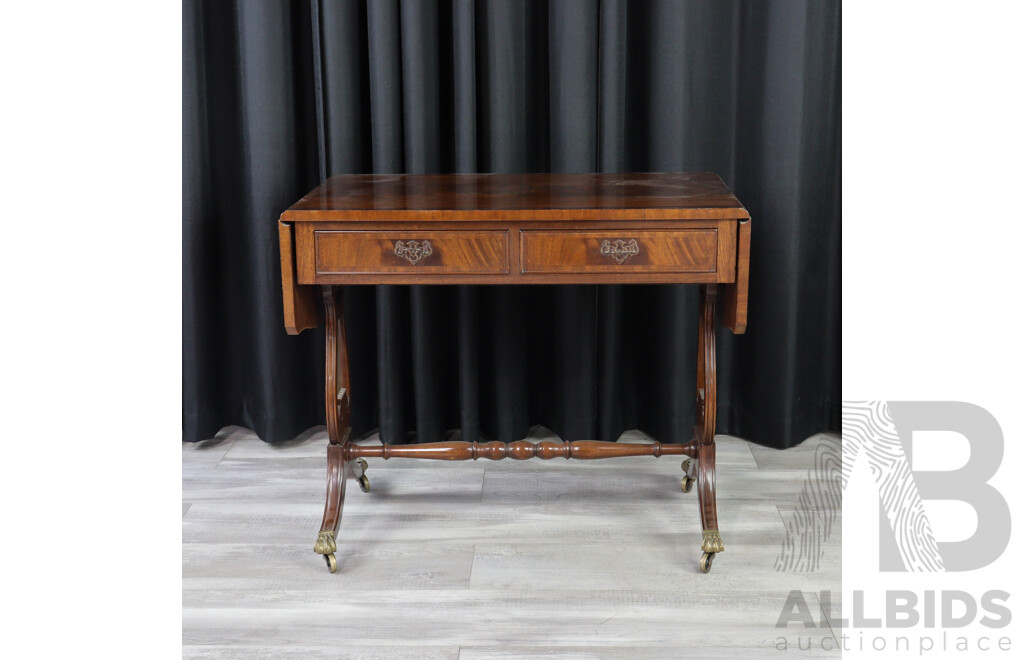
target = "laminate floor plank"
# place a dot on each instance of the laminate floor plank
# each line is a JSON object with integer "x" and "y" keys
{"x": 800, "y": 456}
{"x": 666, "y": 561}
{"x": 618, "y": 653}
{"x": 343, "y": 650}
{"x": 551, "y": 618}
{"x": 382, "y": 565}
{"x": 210, "y": 452}
{"x": 300, "y": 480}
{"x": 470, "y": 521}
{"x": 494, "y": 559}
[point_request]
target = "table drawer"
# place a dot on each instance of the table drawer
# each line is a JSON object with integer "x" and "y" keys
{"x": 339, "y": 252}
{"x": 627, "y": 251}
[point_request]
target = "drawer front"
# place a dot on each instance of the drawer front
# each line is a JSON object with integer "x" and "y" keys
{"x": 627, "y": 251}
{"x": 339, "y": 252}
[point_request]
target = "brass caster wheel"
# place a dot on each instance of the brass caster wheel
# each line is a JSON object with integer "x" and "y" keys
{"x": 364, "y": 481}
{"x": 687, "y": 483}
{"x": 332, "y": 563}
{"x": 705, "y": 562}
{"x": 686, "y": 466}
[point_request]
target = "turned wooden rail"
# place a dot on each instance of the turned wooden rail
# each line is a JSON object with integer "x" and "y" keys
{"x": 585, "y": 450}
{"x": 503, "y": 229}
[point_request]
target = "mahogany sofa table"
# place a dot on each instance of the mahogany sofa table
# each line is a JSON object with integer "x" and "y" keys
{"x": 668, "y": 228}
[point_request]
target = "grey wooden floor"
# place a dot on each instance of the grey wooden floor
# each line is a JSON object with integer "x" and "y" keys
{"x": 472, "y": 560}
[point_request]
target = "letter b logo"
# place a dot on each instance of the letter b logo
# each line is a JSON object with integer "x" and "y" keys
{"x": 883, "y": 431}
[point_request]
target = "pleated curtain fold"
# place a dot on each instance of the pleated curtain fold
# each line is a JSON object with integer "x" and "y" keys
{"x": 278, "y": 95}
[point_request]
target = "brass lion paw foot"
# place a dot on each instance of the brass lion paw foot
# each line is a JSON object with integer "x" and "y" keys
{"x": 326, "y": 546}
{"x": 711, "y": 545}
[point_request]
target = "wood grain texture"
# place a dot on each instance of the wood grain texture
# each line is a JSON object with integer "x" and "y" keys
{"x": 382, "y": 651}
{"x": 547, "y": 197}
{"x": 707, "y": 368}
{"x": 300, "y": 305}
{"x": 341, "y": 454}
{"x": 514, "y": 546}
{"x": 382, "y": 266}
{"x": 734, "y": 296}
{"x": 336, "y": 375}
{"x": 707, "y": 411}
{"x": 336, "y": 383}
{"x": 624, "y": 251}
{"x": 418, "y": 204}
{"x": 447, "y": 252}
{"x": 521, "y": 450}
{"x": 506, "y": 229}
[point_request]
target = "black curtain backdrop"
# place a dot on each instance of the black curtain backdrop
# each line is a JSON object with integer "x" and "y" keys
{"x": 278, "y": 95}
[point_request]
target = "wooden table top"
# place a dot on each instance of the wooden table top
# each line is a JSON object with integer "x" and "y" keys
{"x": 639, "y": 228}
{"x": 557, "y": 197}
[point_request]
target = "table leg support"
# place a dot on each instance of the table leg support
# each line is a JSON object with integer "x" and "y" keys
{"x": 704, "y": 430}
{"x": 338, "y": 430}
{"x": 521, "y": 450}
{"x": 341, "y": 454}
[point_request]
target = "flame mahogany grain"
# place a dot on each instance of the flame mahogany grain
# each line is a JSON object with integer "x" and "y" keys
{"x": 474, "y": 197}
{"x": 515, "y": 229}
{"x": 734, "y": 313}
{"x": 300, "y": 308}
{"x": 336, "y": 394}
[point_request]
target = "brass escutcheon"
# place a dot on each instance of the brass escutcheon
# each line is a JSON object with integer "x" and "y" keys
{"x": 619, "y": 250}
{"x": 413, "y": 251}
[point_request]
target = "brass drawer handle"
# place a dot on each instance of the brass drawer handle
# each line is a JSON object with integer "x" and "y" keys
{"x": 620, "y": 250}
{"x": 413, "y": 251}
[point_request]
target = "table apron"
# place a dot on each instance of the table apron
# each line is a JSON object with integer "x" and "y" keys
{"x": 592, "y": 252}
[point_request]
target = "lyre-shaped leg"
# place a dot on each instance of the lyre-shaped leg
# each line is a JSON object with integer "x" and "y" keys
{"x": 337, "y": 398}
{"x": 704, "y": 430}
